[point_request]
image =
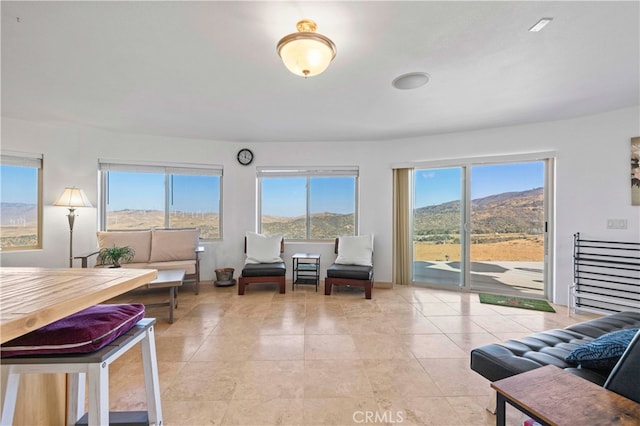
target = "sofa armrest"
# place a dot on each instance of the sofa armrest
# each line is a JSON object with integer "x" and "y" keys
{"x": 623, "y": 379}
{"x": 85, "y": 258}
{"x": 199, "y": 249}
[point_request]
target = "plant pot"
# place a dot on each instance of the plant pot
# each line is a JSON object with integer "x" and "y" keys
{"x": 224, "y": 277}
{"x": 224, "y": 274}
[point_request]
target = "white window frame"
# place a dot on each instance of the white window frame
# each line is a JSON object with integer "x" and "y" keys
{"x": 168, "y": 169}
{"x": 22, "y": 159}
{"x": 308, "y": 172}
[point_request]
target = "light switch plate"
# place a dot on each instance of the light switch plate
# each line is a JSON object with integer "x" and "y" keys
{"x": 616, "y": 223}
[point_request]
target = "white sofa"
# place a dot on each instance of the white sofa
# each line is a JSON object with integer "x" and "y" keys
{"x": 157, "y": 249}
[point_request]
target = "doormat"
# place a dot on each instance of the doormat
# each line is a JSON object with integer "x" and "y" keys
{"x": 516, "y": 302}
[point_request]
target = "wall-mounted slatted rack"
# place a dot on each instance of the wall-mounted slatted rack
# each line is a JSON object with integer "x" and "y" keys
{"x": 606, "y": 275}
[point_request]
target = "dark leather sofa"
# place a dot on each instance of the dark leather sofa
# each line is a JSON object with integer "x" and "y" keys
{"x": 498, "y": 361}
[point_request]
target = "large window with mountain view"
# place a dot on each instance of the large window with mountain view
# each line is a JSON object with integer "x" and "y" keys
{"x": 482, "y": 226}
{"x": 20, "y": 201}
{"x": 308, "y": 204}
{"x": 144, "y": 196}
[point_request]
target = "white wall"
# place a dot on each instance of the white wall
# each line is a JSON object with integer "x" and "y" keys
{"x": 592, "y": 180}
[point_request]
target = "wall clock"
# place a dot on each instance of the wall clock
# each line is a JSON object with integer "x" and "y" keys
{"x": 245, "y": 156}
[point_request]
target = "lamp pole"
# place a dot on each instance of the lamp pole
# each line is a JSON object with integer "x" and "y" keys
{"x": 72, "y": 198}
{"x": 71, "y": 217}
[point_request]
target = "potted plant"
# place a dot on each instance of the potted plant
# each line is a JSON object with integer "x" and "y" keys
{"x": 114, "y": 255}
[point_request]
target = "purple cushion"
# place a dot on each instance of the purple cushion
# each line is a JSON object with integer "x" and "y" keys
{"x": 82, "y": 332}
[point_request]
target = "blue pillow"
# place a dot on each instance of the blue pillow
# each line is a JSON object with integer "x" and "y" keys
{"x": 605, "y": 351}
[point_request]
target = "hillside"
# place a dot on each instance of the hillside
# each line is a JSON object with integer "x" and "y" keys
{"x": 17, "y": 214}
{"x": 506, "y": 213}
{"x": 323, "y": 225}
{"x": 509, "y": 212}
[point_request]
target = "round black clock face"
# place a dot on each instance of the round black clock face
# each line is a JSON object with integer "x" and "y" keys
{"x": 245, "y": 156}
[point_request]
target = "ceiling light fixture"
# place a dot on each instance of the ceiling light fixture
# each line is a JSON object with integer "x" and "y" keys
{"x": 411, "y": 80}
{"x": 540, "y": 24}
{"x": 306, "y": 53}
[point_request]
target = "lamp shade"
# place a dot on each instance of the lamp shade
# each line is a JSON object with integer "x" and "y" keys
{"x": 73, "y": 197}
{"x": 306, "y": 53}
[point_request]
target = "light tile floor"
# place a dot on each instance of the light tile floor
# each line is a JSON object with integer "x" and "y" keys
{"x": 304, "y": 358}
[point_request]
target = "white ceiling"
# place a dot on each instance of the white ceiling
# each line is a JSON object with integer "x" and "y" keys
{"x": 210, "y": 69}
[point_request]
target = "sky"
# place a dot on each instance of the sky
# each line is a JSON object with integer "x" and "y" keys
{"x": 11, "y": 191}
{"x": 281, "y": 197}
{"x": 146, "y": 191}
{"x": 286, "y": 197}
{"x": 437, "y": 186}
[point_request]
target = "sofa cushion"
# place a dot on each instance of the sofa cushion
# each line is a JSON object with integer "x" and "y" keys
{"x": 189, "y": 266}
{"x": 144, "y": 265}
{"x": 140, "y": 241}
{"x": 277, "y": 269}
{"x": 82, "y": 332}
{"x": 356, "y": 250}
{"x": 173, "y": 244}
{"x": 263, "y": 248}
{"x": 351, "y": 272}
{"x": 603, "y": 352}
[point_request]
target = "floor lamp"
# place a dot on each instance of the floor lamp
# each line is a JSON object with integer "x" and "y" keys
{"x": 72, "y": 198}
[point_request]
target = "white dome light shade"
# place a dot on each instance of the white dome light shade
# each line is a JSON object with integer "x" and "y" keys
{"x": 412, "y": 80}
{"x": 306, "y": 53}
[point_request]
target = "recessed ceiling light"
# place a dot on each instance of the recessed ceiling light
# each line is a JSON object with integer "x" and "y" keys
{"x": 540, "y": 24}
{"x": 411, "y": 80}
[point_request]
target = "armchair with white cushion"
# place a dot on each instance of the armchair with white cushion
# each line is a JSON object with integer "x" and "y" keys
{"x": 263, "y": 263}
{"x": 353, "y": 265}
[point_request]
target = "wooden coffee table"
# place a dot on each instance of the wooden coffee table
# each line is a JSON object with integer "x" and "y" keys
{"x": 171, "y": 279}
{"x": 551, "y": 396}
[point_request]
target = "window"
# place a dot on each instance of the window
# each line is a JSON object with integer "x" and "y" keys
{"x": 143, "y": 196}
{"x": 309, "y": 204}
{"x": 20, "y": 202}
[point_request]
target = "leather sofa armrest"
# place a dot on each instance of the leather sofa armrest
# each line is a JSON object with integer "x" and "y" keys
{"x": 623, "y": 379}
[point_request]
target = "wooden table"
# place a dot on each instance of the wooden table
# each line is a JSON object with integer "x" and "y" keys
{"x": 551, "y": 396}
{"x": 171, "y": 279}
{"x": 31, "y": 298}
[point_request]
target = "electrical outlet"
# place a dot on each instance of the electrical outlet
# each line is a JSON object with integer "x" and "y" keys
{"x": 616, "y": 223}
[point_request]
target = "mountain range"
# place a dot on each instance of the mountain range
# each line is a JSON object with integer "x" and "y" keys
{"x": 17, "y": 214}
{"x": 508, "y": 212}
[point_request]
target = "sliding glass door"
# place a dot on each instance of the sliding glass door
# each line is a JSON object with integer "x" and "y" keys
{"x": 507, "y": 228}
{"x": 437, "y": 226}
{"x": 481, "y": 227}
